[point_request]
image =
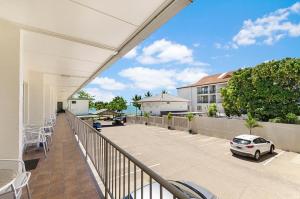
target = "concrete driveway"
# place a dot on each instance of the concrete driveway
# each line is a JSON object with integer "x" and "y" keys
{"x": 207, "y": 161}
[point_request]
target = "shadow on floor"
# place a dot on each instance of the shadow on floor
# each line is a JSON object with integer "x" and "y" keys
{"x": 262, "y": 158}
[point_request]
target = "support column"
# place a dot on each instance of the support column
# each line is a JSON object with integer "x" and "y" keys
{"x": 36, "y": 98}
{"x": 11, "y": 91}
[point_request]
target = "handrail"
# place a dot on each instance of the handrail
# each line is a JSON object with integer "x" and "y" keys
{"x": 108, "y": 159}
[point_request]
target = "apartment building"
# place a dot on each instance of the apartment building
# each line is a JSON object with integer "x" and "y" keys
{"x": 205, "y": 92}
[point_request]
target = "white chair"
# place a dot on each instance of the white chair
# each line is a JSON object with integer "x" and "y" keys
{"x": 21, "y": 180}
{"x": 35, "y": 137}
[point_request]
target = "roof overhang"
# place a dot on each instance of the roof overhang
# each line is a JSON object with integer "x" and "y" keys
{"x": 72, "y": 41}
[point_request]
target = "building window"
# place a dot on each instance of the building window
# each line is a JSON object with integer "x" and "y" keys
{"x": 199, "y": 99}
{"x": 73, "y": 102}
{"x": 213, "y": 99}
{"x": 204, "y": 99}
{"x": 199, "y": 108}
{"x": 212, "y": 89}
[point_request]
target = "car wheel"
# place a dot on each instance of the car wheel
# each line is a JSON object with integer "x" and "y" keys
{"x": 257, "y": 155}
{"x": 272, "y": 149}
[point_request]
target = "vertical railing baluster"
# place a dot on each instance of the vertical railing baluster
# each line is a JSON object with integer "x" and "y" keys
{"x": 142, "y": 184}
{"x": 124, "y": 194}
{"x": 116, "y": 173}
{"x": 120, "y": 177}
{"x": 128, "y": 178}
{"x": 106, "y": 169}
{"x": 160, "y": 191}
{"x": 111, "y": 169}
{"x": 134, "y": 182}
{"x": 150, "y": 187}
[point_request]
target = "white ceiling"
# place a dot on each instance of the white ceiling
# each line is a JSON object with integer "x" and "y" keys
{"x": 71, "y": 41}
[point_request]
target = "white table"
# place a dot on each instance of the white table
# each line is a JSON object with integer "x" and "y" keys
{"x": 7, "y": 177}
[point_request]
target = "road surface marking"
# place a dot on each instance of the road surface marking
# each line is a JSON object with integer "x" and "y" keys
{"x": 276, "y": 156}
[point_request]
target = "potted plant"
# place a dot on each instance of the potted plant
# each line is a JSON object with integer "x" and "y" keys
{"x": 169, "y": 117}
{"x": 251, "y": 123}
{"x": 190, "y": 117}
{"x": 146, "y": 115}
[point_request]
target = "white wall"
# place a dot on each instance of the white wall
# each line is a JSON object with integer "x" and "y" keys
{"x": 156, "y": 107}
{"x": 80, "y": 108}
{"x": 189, "y": 93}
{"x": 11, "y": 92}
{"x": 36, "y": 98}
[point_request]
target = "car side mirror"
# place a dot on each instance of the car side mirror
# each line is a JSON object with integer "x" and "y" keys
{"x": 268, "y": 141}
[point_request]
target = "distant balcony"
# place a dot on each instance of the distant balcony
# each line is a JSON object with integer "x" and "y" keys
{"x": 202, "y": 101}
{"x": 212, "y": 91}
{"x": 212, "y": 101}
{"x": 203, "y": 92}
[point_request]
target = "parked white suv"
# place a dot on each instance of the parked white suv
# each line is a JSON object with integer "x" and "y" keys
{"x": 251, "y": 145}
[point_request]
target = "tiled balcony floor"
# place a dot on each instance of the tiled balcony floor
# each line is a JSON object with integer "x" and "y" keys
{"x": 64, "y": 174}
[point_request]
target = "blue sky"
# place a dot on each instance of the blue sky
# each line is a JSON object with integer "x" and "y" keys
{"x": 207, "y": 37}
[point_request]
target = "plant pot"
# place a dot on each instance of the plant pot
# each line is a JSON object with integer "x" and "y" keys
{"x": 169, "y": 127}
{"x": 190, "y": 131}
{"x": 146, "y": 123}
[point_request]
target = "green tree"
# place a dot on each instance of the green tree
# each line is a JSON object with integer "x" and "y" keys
{"x": 117, "y": 104}
{"x": 169, "y": 117}
{"x": 136, "y": 104}
{"x": 146, "y": 116}
{"x": 266, "y": 91}
{"x": 148, "y": 94}
{"x": 100, "y": 105}
{"x": 251, "y": 123}
{"x": 85, "y": 95}
{"x": 212, "y": 110}
{"x": 190, "y": 117}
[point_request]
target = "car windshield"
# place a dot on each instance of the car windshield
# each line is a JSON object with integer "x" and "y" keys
{"x": 188, "y": 190}
{"x": 241, "y": 141}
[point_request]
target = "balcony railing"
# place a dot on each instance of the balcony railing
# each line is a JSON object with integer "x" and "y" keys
{"x": 115, "y": 166}
{"x": 202, "y": 101}
{"x": 212, "y": 90}
{"x": 203, "y": 92}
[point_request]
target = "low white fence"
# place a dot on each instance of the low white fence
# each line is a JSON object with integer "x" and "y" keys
{"x": 179, "y": 123}
{"x": 285, "y": 136}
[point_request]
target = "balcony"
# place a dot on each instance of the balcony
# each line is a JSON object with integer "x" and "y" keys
{"x": 64, "y": 174}
{"x": 203, "y": 92}
{"x": 212, "y": 91}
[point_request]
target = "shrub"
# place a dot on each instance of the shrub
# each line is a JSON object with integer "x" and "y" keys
{"x": 276, "y": 120}
{"x": 291, "y": 118}
{"x": 169, "y": 116}
{"x": 212, "y": 110}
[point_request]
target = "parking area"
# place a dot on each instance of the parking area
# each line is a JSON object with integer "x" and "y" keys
{"x": 207, "y": 161}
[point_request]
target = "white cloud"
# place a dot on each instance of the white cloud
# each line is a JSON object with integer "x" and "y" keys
{"x": 164, "y": 51}
{"x": 100, "y": 95}
{"x": 196, "y": 45}
{"x": 269, "y": 28}
{"x": 108, "y": 83}
{"x": 131, "y": 54}
{"x": 190, "y": 75}
{"x": 150, "y": 79}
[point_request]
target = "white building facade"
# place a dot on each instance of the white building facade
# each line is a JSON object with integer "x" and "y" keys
{"x": 78, "y": 106}
{"x": 205, "y": 92}
{"x": 164, "y": 103}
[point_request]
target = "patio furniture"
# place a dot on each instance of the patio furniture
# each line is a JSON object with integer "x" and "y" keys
{"x": 35, "y": 137}
{"x": 13, "y": 178}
